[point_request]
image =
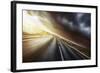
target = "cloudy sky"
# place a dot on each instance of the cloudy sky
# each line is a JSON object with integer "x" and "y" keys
{"x": 80, "y": 22}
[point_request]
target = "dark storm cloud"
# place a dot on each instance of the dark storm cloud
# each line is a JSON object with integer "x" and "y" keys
{"x": 74, "y": 21}
{"x": 84, "y": 23}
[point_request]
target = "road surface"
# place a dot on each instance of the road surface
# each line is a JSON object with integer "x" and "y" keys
{"x": 50, "y": 48}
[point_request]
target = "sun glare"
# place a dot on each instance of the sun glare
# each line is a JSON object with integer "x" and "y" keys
{"x": 32, "y": 24}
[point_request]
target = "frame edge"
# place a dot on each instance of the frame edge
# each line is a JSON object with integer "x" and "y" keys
{"x": 13, "y": 36}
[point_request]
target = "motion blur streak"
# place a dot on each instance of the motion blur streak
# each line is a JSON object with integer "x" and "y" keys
{"x": 46, "y": 38}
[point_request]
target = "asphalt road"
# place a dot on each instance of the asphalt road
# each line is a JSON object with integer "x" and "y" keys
{"x": 50, "y": 48}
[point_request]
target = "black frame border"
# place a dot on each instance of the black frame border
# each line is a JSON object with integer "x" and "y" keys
{"x": 13, "y": 35}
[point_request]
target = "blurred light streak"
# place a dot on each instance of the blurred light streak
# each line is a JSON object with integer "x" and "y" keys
{"x": 39, "y": 23}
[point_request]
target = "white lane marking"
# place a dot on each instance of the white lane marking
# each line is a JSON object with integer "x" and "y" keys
{"x": 68, "y": 48}
{"x": 62, "y": 58}
{"x": 78, "y": 51}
